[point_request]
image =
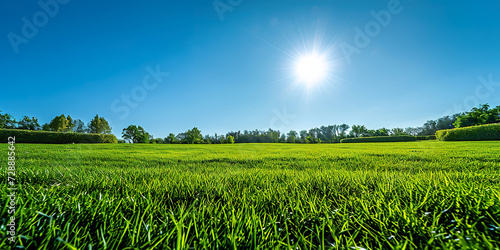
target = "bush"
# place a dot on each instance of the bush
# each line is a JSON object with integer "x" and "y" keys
{"x": 380, "y": 139}
{"x": 426, "y": 137}
{"x": 31, "y": 136}
{"x": 476, "y": 133}
{"x": 440, "y": 134}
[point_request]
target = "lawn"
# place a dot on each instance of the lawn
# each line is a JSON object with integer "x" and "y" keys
{"x": 411, "y": 195}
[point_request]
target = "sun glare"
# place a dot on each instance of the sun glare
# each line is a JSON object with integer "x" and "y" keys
{"x": 311, "y": 69}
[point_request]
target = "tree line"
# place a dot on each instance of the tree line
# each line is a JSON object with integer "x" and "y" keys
{"x": 62, "y": 123}
{"x": 330, "y": 134}
{"x": 334, "y": 133}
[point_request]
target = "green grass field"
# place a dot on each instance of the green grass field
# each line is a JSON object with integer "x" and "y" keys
{"x": 412, "y": 195}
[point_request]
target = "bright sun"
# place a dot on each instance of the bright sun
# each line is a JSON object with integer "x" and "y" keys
{"x": 311, "y": 69}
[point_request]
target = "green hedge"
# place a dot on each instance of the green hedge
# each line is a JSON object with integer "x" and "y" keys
{"x": 476, "y": 133}
{"x": 30, "y": 136}
{"x": 426, "y": 137}
{"x": 380, "y": 139}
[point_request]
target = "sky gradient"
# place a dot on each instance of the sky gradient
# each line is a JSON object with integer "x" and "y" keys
{"x": 236, "y": 72}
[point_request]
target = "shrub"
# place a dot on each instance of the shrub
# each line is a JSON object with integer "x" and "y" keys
{"x": 440, "y": 134}
{"x": 426, "y": 137}
{"x": 230, "y": 139}
{"x": 402, "y": 138}
{"x": 476, "y": 133}
{"x": 30, "y": 136}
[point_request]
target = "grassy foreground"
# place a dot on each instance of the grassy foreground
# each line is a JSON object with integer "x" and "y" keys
{"x": 412, "y": 195}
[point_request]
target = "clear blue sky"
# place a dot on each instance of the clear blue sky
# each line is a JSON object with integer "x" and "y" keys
{"x": 236, "y": 73}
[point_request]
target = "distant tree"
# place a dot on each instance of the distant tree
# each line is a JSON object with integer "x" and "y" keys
{"x": 79, "y": 126}
{"x": 466, "y": 121}
{"x": 182, "y": 138}
{"x": 216, "y": 139}
{"x": 235, "y": 135}
{"x": 314, "y": 133}
{"x": 130, "y": 133}
{"x": 358, "y": 130}
{"x": 397, "y": 132}
{"x": 28, "y": 123}
{"x": 303, "y": 136}
{"x": 136, "y": 134}
{"x": 156, "y": 141}
{"x": 291, "y": 136}
{"x": 431, "y": 126}
{"x": 272, "y": 136}
{"x": 61, "y": 123}
{"x": 171, "y": 139}
{"x": 344, "y": 127}
{"x": 478, "y": 116}
{"x": 7, "y": 121}
{"x": 46, "y": 127}
{"x": 381, "y": 132}
{"x": 446, "y": 122}
{"x": 327, "y": 133}
{"x": 146, "y": 137}
{"x": 369, "y": 132}
{"x": 309, "y": 139}
{"x": 222, "y": 140}
{"x": 230, "y": 139}
{"x": 99, "y": 125}
{"x": 413, "y": 131}
{"x": 343, "y": 130}
{"x": 207, "y": 139}
{"x": 282, "y": 138}
{"x": 194, "y": 136}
